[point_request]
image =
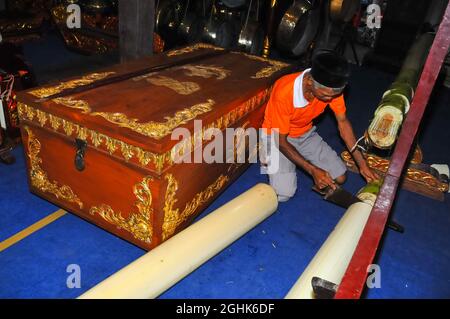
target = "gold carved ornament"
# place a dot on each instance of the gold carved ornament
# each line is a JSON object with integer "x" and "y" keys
{"x": 268, "y": 71}
{"x": 152, "y": 129}
{"x": 187, "y": 87}
{"x": 192, "y": 48}
{"x": 39, "y": 178}
{"x": 139, "y": 223}
{"x": 415, "y": 175}
{"x": 73, "y": 104}
{"x": 96, "y": 139}
{"x": 128, "y": 151}
{"x": 200, "y": 70}
{"x": 205, "y": 71}
{"x": 172, "y": 216}
{"x": 263, "y": 73}
{"x": 183, "y": 88}
{"x": 158, "y": 130}
{"x": 87, "y": 79}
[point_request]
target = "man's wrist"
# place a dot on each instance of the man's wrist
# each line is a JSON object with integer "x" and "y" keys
{"x": 362, "y": 163}
{"x": 359, "y": 158}
{"x": 311, "y": 169}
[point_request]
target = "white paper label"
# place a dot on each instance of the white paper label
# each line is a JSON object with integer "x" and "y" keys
{"x": 2, "y": 116}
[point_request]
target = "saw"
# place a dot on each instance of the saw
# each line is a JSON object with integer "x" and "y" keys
{"x": 343, "y": 198}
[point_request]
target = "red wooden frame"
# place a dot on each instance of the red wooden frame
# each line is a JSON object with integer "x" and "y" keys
{"x": 354, "y": 279}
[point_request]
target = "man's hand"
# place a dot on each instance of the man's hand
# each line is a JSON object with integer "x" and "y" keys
{"x": 346, "y": 131}
{"x": 367, "y": 173}
{"x": 322, "y": 178}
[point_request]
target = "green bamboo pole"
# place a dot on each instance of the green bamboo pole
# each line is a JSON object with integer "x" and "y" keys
{"x": 395, "y": 102}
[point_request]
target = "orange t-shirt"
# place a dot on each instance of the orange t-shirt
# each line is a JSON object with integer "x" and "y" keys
{"x": 281, "y": 114}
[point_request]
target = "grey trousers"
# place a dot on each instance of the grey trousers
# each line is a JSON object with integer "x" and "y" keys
{"x": 283, "y": 177}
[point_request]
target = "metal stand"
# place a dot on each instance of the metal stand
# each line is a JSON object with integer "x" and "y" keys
{"x": 269, "y": 29}
{"x": 323, "y": 289}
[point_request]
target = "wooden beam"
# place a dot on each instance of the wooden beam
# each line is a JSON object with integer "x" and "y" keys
{"x": 136, "y": 22}
{"x": 354, "y": 280}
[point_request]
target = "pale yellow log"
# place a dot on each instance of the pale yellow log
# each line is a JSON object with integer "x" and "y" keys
{"x": 331, "y": 261}
{"x": 162, "y": 267}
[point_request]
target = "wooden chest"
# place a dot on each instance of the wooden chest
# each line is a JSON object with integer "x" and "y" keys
{"x": 100, "y": 145}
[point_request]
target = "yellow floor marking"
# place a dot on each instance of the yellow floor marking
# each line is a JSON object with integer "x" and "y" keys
{"x": 33, "y": 228}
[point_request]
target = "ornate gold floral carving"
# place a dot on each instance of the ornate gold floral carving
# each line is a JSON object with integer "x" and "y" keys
{"x": 183, "y": 88}
{"x": 111, "y": 145}
{"x": 82, "y": 132}
{"x": 25, "y": 112}
{"x": 96, "y": 138}
{"x": 139, "y": 224}
{"x": 172, "y": 217}
{"x": 267, "y": 71}
{"x": 418, "y": 176}
{"x": 143, "y": 157}
{"x": 21, "y": 109}
{"x": 68, "y": 128}
{"x": 158, "y": 130}
{"x": 73, "y": 104}
{"x": 205, "y": 71}
{"x": 192, "y": 48}
{"x": 42, "y": 118}
{"x": 55, "y": 122}
{"x": 87, "y": 79}
{"x": 127, "y": 151}
{"x": 38, "y": 176}
{"x": 152, "y": 129}
{"x": 263, "y": 73}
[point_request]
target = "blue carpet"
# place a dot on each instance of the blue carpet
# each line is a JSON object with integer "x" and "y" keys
{"x": 266, "y": 261}
{"x": 19, "y": 207}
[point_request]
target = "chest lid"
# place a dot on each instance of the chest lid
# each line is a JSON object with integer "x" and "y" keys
{"x": 131, "y": 109}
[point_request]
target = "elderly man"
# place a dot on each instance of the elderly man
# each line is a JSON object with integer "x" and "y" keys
{"x": 296, "y": 100}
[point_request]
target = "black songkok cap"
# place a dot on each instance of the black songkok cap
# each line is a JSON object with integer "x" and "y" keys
{"x": 330, "y": 69}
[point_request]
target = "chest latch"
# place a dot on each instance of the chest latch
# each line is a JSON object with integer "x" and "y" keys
{"x": 79, "y": 156}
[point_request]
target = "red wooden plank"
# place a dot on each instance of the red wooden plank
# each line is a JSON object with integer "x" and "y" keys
{"x": 354, "y": 279}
